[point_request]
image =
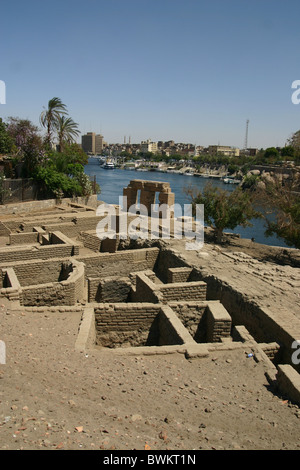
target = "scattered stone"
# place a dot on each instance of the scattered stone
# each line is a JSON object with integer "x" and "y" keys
{"x": 136, "y": 417}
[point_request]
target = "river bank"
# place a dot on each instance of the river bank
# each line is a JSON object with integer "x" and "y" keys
{"x": 112, "y": 183}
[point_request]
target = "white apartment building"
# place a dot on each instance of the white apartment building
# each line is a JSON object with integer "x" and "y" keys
{"x": 148, "y": 146}
{"x": 225, "y": 150}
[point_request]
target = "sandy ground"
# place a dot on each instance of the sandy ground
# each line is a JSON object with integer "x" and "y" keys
{"x": 54, "y": 397}
{"x": 269, "y": 276}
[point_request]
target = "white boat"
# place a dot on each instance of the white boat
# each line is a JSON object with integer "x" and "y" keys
{"x": 108, "y": 166}
{"x": 230, "y": 181}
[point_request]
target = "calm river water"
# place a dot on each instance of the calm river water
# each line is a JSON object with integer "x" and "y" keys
{"x": 112, "y": 183}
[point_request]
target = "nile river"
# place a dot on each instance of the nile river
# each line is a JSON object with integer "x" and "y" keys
{"x": 112, "y": 183}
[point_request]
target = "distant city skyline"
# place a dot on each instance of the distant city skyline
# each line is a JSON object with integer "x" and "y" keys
{"x": 192, "y": 71}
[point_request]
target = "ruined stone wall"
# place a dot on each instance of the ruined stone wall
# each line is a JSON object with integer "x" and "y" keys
{"x": 167, "y": 260}
{"x": 138, "y": 324}
{"x": 218, "y": 322}
{"x": 122, "y": 262}
{"x": 148, "y": 190}
{"x": 126, "y": 324}
{"x": 193, "y": 316}
{"x": 179, "y": 274}
{"x": 4, "y": 230}
{"x": 90, "y": 240}
{"x": 264, "y": 325}
{"x": 23, "y": 238}
{"x": 145, "y": 290}
{"x": 31, "y": 206}
{"x": 114, "y": 289}
{"x": 171, "y": 330}
{"x": 10, "y": 286}
{"x": 183, "y": 291}
{"x": 148, "y": 291}
{"x": 67, "y": 292}
{"x": 37, "y": 253}
{"x": 74, "y": 227}
{"x": 36, "y": 272}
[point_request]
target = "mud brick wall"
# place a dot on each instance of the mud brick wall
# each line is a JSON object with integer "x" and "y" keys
{"x": 30, "y": 206}
{"x": 23, "y": 238}
{"x": 109, "y": 245}
{"x": 179, "y": 274}
{"x": 288, "y": 382}
{"x": 151, "y": 275}
{"x": 126, "y": 324}
{"x": 36, "y": 272}
{"x": 4, "y": 230}
{"x": 9, "y": 225}
{"x": 138, "y": 324}
{"x": 265, "y": 325}
{"x": 272, "y": 350}
{"x": 67, "y": 292}
{"x": 167, "y": 260}
{"x": 183, "y": 291}
{"x": 171, "y": 330}
{"x": 218, "y": 322}
{"x": 11, "y": 288}
{"x": 37, "y": 253}
{"x": 46, "y": 294}
{"x": 77, "y": 224}
{"x": 122, "y": 262}
{"x": 144, "y": 290}
{"x": 90, "y": 240}
{"x": 192, "y": 314}
{"x": 109, "y": 289}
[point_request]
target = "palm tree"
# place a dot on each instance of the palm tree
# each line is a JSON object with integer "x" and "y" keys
{"x": 50, "y": 116}
{"x": 67, "y": 131}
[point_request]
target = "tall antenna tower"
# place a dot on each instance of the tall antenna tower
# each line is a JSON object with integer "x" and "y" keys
{"x": 246, "y": 136}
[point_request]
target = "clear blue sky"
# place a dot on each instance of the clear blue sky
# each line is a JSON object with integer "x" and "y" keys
{"x": 188, "y": 70}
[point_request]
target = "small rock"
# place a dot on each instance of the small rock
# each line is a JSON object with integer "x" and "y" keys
{"x": 136, "y": 417}
{"x": 163, "y": 435}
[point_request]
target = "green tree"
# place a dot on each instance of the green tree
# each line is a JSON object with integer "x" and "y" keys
{"x": 271, "y": 154}
{"x": 288, "y": 152}
{"x": 50, "y": 115}
{"x": 67, "y": 131}
{"x": 57, "y": 184}
{"x": 28, "y": 144}
{"x": 6, "y": 142}
{"x": 223, "y": 209}
{"x": 294, "y": 140}
{"x": 280, "y": 201}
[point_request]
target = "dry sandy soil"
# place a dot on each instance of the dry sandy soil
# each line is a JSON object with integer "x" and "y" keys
{"x": 54, "y": 397}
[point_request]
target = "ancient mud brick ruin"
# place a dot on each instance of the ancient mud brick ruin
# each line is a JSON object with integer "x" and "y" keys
{"x": 134, "y": 297}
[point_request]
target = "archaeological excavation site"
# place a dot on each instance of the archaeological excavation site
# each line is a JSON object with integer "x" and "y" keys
{"x": 147, "y": 296}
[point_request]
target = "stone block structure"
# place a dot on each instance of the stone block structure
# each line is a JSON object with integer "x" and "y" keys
{"x": 148, "y": 190}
